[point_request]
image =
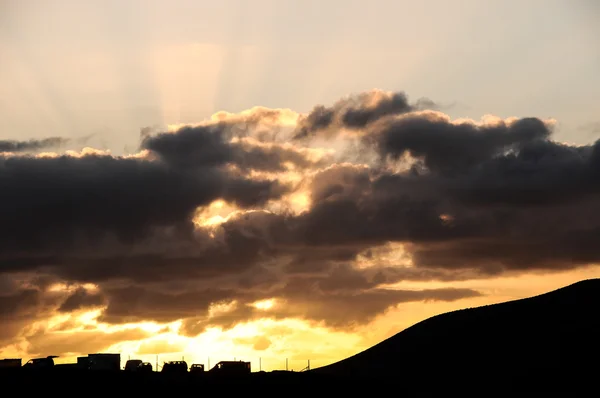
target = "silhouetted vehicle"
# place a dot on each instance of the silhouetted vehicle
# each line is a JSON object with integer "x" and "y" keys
{"x": 145, "y": 367}
{"x": 175, "y": 367}
{"x": 104, "y": 361}
{"x": 41, "y": 363}
{"x": 197, "y": 368}
{"x": 133, "y": 365}
{"x": 10, "y": 363}
{"x": 231, "y": 368}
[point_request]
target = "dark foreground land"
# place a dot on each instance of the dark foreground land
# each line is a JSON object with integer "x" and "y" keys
{"x": 546, "y": 343}
{"x": 485, "y": 382}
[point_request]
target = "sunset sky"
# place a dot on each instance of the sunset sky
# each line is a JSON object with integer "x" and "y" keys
{"x": 287, "y": 179}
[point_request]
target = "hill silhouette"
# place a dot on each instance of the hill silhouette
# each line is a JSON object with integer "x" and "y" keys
{"x": 529, "y": 341}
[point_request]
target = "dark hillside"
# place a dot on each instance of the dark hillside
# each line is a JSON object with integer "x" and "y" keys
{"x": 553, "y": 333}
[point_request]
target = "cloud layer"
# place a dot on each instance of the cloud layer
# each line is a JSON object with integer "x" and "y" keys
{"x": 317, "y": 204}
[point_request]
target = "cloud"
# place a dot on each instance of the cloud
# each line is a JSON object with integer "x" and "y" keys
{"x": 592, "y": 128}
{"x": 22, "y": 305}
{"x": 71, "y": 343}
{"x": 354, "y": 112}
{"x": 32, "y": 145}
{"x": 447, "y": 147}
{"x": 82, "y": 299}
{"x": 155, "y": 347}
{"x": 258, "y": 343}
{"x": 198, "y": 225}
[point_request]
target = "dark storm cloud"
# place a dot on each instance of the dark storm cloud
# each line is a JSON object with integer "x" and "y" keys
{"x": 448, "y": 148}
{"x": 32, "y": 145}
{"x": 51, "y": 205}
{"x": 20, "y": 305}
{"x": 210, "y": 146}
{"x": 192, "y": 147}
{"x": 344, "y": 309}
{"x": 481, "y": 200}
{"x": 534, "y": 206}
{"x": 355, "y": 112}
{"x": 273, "y": 158}
{"x": 82, "y": 299}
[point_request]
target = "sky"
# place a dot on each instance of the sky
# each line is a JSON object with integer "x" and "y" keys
{"x": 287, "y": 179}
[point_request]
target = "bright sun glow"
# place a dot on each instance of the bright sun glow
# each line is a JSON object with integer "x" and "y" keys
{"x": 264, "y": 304}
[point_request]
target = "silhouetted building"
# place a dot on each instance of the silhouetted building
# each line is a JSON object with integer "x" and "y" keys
{"x": 83, "y": 362}
{"x": 10, "y": 363}
{"x": 197, "y": 368}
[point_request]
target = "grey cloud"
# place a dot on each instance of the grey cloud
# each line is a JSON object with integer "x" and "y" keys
{"x": 273, "y": 158}
{"x": 304, "y": 299}
{"x": 592, "y": 128}
{"x": 32, "y": 145}
{"x": 450, "y": 148}
{"x": 22, "y": 305}
{"x": 210, "y": 146}
{"x": 355, "y": 111}
{"x": 54, "y": 207}
{"x": 82, "y": 299}
{"x": 191, "y": 147}
{"x": 483, "y": 201}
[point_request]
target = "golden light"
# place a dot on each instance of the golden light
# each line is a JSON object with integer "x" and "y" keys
{"x": 89, "y": 317}
{"x": 300, "y": 202}
{"x": 87, "y": 151}
{"x": 392, "y": 254}
{"x": 446, "y": 218}
{"x": 60, "y": 287}
{"x": 71, "y": 287}
{"x": 195, "y": 66}
{"x": 264, "y": 304}
{"x": 214, "y": 214}
{"x": 221, "y": 307}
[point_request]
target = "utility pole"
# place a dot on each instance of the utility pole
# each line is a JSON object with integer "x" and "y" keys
{"x": 156, "y": 369}
{"x": 259, "y": 364}
{"x": 208, "y": 363}
{"x": 308, "y": 368}
{"x": 286, "y": 364}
